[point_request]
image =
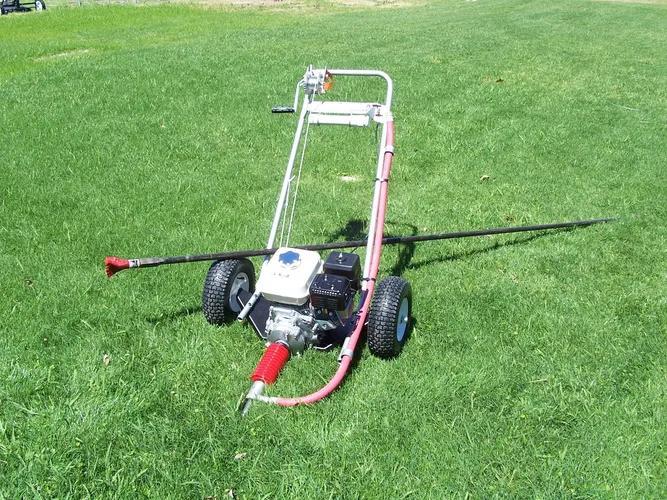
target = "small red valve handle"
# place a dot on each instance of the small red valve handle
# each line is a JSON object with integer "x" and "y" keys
{"x": 273, "y": 360}
{"x": 328, "y": 82}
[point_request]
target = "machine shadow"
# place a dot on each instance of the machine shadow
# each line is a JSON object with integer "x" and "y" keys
{"x": 174, "y": 315}
{"x": 478, "y": 251}
{"x": 404, "y": 262}
{"x": 356, "y": 229}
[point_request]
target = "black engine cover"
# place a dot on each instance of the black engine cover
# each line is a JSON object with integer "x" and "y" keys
{"x": 330, "y": 291}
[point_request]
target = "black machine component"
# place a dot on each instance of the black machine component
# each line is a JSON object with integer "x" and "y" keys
{"x": 282, "y": 109}
{"x": 259, "y": 314}
{"x": 331, "y": 292}
{"x": 8, "y": 6}
{"x": 344, "y": 264}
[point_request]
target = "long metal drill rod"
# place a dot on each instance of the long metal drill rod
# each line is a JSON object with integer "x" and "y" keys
{"x": 115, "y": 264}
{"x": 494, "y": 230}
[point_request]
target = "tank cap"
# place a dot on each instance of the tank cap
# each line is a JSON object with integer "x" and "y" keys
{"x": 289, "y": 259}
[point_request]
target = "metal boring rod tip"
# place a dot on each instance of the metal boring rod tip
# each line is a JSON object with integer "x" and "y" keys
{"x": 244, "y": 408}
{"x": 256, "y": 389}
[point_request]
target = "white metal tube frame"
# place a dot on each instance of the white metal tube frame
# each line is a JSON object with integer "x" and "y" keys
{"x": 314, "y": 82}
{"x": 311, "y": 87}
{"x": 305, "y": 110}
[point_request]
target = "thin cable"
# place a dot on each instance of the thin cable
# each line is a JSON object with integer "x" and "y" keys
{"x": 306, "y": 102}
{"x": 282, "y": 224}
{"x": 298, "y": 181}
{"x": 346, "y": 358}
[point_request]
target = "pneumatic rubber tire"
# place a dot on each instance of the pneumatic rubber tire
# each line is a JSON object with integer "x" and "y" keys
{"x": 40, "y": 5}
{"x": 389, "y": 317}
{"x": 221, "y": 286}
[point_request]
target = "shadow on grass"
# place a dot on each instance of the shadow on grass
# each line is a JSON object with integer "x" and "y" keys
{"x": 174, "y": 315}
{"x": 355, "y": 229}
{"x": 471, "y": 253}
{"x": 405, "y": 252}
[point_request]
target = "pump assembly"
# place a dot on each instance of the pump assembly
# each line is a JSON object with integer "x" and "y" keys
{"x": 303, "y": 299}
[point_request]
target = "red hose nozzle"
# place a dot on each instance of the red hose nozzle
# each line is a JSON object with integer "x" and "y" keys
{"x": 114, "y": 264}
{"x": 273, "y": 360}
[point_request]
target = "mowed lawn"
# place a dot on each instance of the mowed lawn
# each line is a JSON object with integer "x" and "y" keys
{"x": 537, "y": 365}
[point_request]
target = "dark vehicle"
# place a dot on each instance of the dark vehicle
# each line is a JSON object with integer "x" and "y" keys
{"x": 16, "y": 6}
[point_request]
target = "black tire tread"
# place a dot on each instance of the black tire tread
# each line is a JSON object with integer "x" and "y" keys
{"x": 383, "y": 317}
{"x": 217, "y": 285}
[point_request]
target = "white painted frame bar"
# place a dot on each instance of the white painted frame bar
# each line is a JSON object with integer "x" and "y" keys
{"x": 307, "y": 105}
{"x": 380, "y": 161}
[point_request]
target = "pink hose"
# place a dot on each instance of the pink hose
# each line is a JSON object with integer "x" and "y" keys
{"x": 363, "y": 310}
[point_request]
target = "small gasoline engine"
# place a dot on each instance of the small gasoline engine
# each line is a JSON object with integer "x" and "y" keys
{"x": 304, "y": 302}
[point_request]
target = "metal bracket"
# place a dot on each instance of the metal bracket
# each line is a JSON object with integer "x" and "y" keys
{"x": 345, "y": 350}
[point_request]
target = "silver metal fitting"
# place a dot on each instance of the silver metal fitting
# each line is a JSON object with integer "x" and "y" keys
{"x": 345, "y": 350}
{"x": 248, "y": 307}
{"x": 290, "y": 327}
{"x": 313, "y": 81}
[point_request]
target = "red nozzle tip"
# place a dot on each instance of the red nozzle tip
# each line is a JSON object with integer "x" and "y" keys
{"x": 114, "y": 264}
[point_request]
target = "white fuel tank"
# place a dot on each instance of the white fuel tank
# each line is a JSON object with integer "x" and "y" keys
{"x": 287, "y": 276}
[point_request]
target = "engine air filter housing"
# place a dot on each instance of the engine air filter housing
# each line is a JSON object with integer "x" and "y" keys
{"x": 332, "y": 292}
{"x": 344, "y": 264}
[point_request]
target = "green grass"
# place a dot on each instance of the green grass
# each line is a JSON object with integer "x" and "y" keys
{"x": 537, "y": 365}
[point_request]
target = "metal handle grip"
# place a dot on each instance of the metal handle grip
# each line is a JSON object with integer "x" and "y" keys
{"x": 282, "y": 109}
